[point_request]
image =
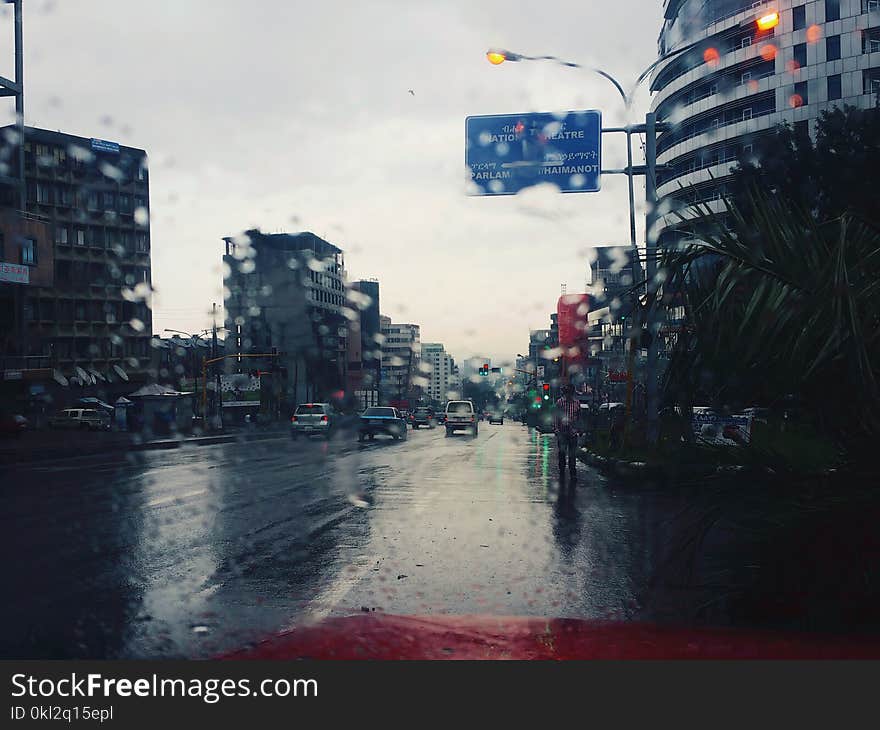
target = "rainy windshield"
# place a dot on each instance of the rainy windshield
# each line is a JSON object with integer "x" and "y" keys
{"x": 640, "y": 230}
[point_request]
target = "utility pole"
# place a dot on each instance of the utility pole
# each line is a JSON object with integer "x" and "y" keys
{"x": 18, "y": 87}
{"x": 218, "y": 402}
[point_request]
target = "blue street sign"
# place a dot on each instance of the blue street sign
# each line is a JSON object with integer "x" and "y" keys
{"x": 509, "y": 152}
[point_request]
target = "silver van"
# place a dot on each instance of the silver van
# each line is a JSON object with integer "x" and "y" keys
{"x": 88, "y": 419}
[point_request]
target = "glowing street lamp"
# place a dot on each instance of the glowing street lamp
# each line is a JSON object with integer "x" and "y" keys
{"x": 496, "y": 57}
{"x": 766, "y": 22}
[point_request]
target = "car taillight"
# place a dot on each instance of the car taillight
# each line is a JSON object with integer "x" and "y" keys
{"x": 293, "y": 419}
{"x": 472, "y": 418}
{"x": 324, "y": 419}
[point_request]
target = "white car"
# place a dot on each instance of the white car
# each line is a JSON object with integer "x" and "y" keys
{"x": 460, "y": 416}
{"x": 312, "y": 419}
{"x": 87, "y": 419}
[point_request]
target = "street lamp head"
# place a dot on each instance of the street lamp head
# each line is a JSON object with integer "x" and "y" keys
{"x": 497, "y": 56}
{"x": 768, "y": 21}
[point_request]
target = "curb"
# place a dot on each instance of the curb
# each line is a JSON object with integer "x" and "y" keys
{"x": 621, "y": 468}
{"x": 617, "y": 467}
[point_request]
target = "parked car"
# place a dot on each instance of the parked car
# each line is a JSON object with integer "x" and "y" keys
{"x": 86, "y": 419}
{"x": 382, "y": 420}
{"x": 496, "y": 417}
{"x": 422, "y": 417}
{"x": 460, "y": 415}
{"x": 312, "y": 419}
{"x": 13, "y": 424}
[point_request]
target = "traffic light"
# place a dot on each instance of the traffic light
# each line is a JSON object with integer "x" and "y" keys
{"x": 484, "y": 371}
{"x": 546, "y": 391}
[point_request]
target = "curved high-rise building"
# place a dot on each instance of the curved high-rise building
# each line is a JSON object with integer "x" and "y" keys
{"x": 743, "y": 77}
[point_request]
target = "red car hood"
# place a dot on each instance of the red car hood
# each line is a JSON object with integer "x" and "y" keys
{"x": 385, "y": 636}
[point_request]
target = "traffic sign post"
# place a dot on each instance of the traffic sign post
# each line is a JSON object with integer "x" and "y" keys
{"x": 509, "y": 152}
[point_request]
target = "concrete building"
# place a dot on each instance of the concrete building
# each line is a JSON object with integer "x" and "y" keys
{"x": 610, "y": 293}
{"x": 364, "y": 347}
{"x": 539, "y": 342}
{"x": 442, "y": 376}
{"x": 84, "y": 239}
{"x": 470, "y": 367}
{"x": 741, "y": 82}
{"x": 286, "y": 296}
{"x": 401, "y": 355}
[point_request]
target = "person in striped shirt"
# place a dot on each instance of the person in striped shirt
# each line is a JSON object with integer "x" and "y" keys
{"x": 566, "y": 428}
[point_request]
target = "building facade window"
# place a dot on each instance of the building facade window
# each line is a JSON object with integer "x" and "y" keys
{"x": 871, "y": 81}
{"x": 800, "y": 55}
{"x": 832, "y": 10}
{"x": 871, "y": 40}
{"x": 833, "y": 87}
{"x": 61, "y": 234}
{"x": 799, "y": 17}
{"x": 28, "y": 252}
{"x": 80, "y": 237}
{"x": 800, "y": 91}
{"x": 832, "y": 48}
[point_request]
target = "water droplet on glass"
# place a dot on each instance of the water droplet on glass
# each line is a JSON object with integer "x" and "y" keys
{"x": 111, "y": 171}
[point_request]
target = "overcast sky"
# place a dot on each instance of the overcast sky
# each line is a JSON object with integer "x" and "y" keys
{"x": 287, "y": 116}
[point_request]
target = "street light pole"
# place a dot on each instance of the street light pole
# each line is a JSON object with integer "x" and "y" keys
{"x": 650, "y": 128}
{"x": 652, "y": 431}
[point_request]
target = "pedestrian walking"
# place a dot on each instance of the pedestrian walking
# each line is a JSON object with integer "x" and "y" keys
{"x": 566, "y": 427}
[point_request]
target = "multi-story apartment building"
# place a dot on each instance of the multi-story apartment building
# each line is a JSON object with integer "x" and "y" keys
{"x": 441, "y": 376}
{"x": 741, "y": 80}
{"x": 364, "y": 346}
{"x": 539, "y": 342}
{"x": 85, "y": 309}
{"x": 401, "y": 355}
{"x": 286, "y": 295}
{"x": 470, "y": 367}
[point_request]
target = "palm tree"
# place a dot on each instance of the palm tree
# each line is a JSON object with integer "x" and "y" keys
{"x": 778, "y": 303}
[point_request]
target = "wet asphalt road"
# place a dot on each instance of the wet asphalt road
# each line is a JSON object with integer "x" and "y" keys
{"x": 203, "y": 549}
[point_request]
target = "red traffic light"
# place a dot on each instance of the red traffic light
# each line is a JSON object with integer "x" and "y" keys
{"x": 546, "y": 387}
